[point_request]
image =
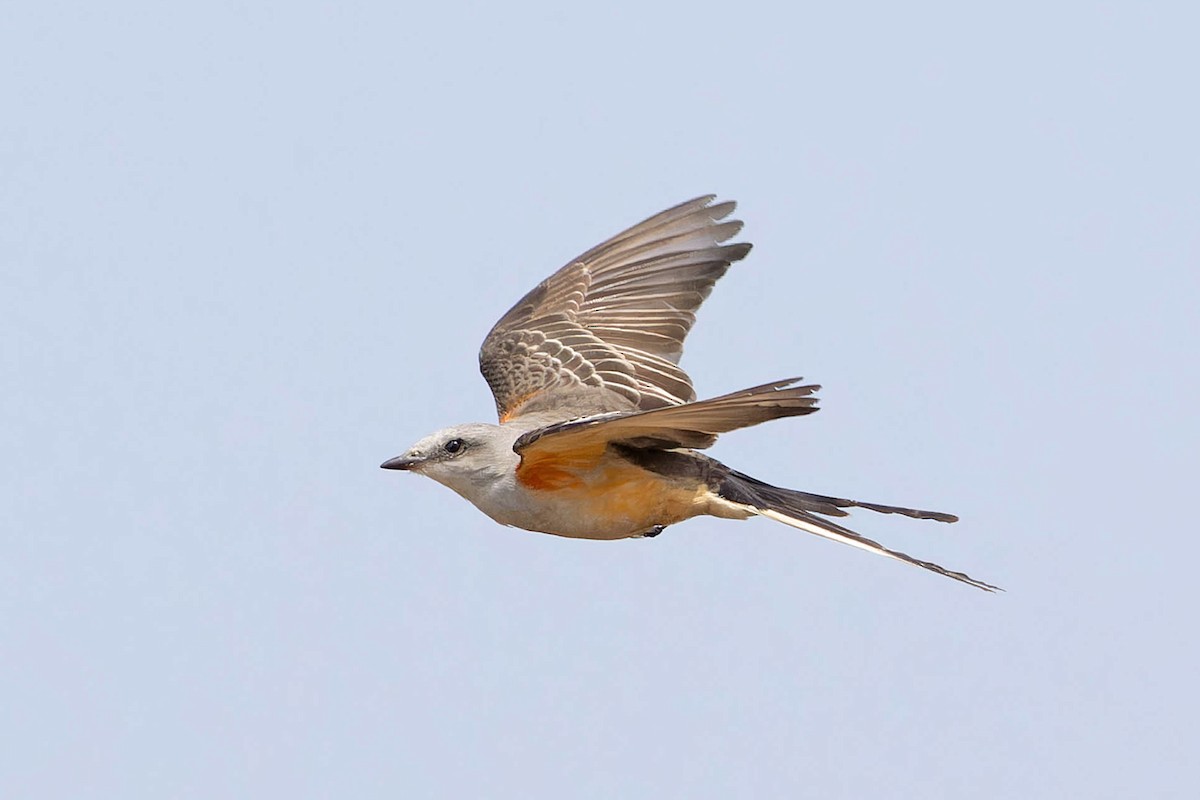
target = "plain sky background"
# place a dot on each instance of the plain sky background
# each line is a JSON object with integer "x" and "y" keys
{"x": 248, "y": 251}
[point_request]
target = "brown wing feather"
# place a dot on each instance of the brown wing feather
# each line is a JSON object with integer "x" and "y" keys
{"x": 690, "y": 425}
{"x": 608, "y": 328}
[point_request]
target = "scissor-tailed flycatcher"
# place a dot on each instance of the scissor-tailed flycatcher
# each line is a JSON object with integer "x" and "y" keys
{"x": 598, "y": 424}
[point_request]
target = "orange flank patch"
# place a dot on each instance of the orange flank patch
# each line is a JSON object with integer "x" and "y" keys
{"x": 609, "y": 492}
{"x": 630, "y": 493}
{"x": 548, "y": 477}
{"x": 553, "y": 470}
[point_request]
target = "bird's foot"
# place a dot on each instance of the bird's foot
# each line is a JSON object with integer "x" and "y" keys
{"x": 655, "y": 531}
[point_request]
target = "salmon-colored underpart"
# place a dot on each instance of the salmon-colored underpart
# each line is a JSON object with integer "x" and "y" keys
{"x": 548, "y": 478}
{"x": 627, "y": 492}
{"x": 553, "y": 470}
{"x": 609, "y": 490}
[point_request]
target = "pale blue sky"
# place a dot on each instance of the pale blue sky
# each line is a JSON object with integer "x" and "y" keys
{"x": 248, "y": 251}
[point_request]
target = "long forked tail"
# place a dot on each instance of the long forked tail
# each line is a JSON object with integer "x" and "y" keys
{"x": 799, "y": 510}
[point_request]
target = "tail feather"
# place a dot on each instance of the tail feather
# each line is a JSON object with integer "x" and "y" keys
{"x": 798, "y": 510}
{"x": 791, "y": 499}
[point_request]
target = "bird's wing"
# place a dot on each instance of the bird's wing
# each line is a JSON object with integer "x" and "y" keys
{"x": 609, "y": 326}
{"x": 690, "y": 425}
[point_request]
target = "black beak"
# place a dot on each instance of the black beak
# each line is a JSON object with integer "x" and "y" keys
{"x": 400, "y": 462}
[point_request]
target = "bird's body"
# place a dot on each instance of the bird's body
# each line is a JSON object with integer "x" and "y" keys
{"x": 596, "y": 493}
{"x": 599, "y": 427}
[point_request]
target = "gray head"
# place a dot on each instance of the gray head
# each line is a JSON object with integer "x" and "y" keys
{"x": 463, "y": 457}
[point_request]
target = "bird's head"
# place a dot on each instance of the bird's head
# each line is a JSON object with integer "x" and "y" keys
{"x": 461, "y": 457}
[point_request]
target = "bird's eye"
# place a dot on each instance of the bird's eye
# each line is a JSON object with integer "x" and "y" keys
{"x": 453, "y": 446}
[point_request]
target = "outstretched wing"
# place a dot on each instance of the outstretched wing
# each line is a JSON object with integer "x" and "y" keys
{"x": 606, "y": 331}
{"x": 689, "y": 425}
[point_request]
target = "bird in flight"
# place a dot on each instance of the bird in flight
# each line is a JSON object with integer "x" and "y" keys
{"x": 600, "y": 428}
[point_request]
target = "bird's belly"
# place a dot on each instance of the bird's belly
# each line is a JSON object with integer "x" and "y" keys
{"x": 611, "y": 503}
